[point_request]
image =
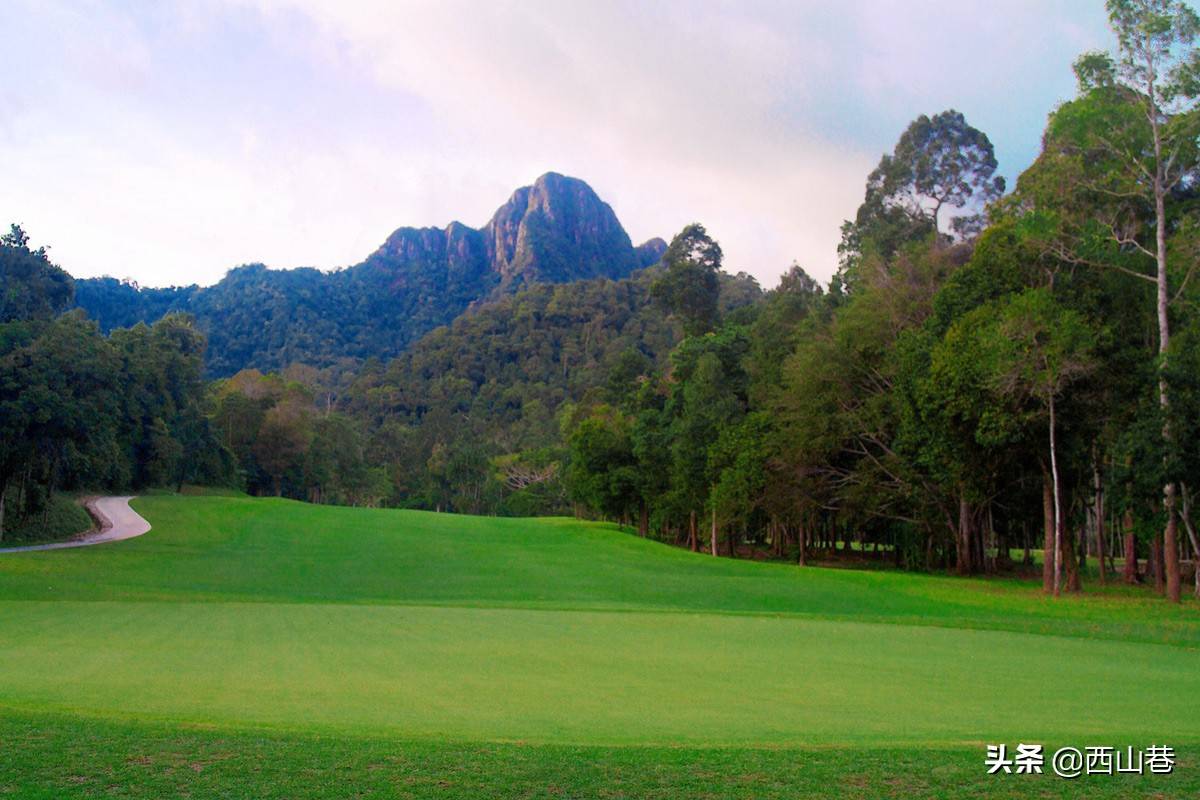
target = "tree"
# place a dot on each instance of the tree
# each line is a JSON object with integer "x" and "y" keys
{"x": 60, "y": 412}
{"x": 650, "y": 437}
{"x": 621, "y": 387}
{"x": 940, "y": 162}
{"x": 690, "y": 287}
{"x": 738, "y": 459}
{"x": 1129, "y": 145}
{"x": 774, "y": 332}
{"x": 602, "y": 472}
{"x": 284, "y": 439}
{"x": 1042, "y": 347}
{"x": 840, "y": 408}
{"x": 31, "y": 287}
{"x": 709, "y": 402}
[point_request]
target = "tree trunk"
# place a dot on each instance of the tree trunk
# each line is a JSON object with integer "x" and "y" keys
{"x": 963, "y": 565}
{"x": 644, "y": 521}
{"x": 1171, "y": 546}
{"x": 713, "y": 535}
{"x": 693, "y": 544}
{"x": 1186, "y": 516}
{"x": 1058, "y": 520}
{"x": 1070, "y": 559}
{"x": 1098, "y": 512}
{"x": 1156, "y": 564}
{"x": 1129, "y": 571}
{"x": 1162, "y": 299}
{"x": 801, "y": 537}
{"x": 1047, "y": 534}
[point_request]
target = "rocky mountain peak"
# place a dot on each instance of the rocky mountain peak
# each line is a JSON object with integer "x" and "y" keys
{"x": 557, "y": 230}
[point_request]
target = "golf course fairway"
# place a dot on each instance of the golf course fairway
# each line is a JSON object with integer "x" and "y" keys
{"x": 290, "y": 650}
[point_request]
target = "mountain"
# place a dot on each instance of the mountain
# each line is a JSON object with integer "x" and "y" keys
{"x": 507, "y": 366}
{"x": 651, "y": 251}
{"x": 555, "y": 231}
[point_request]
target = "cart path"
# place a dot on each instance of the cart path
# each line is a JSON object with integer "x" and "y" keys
{"x": 117, "y": 521}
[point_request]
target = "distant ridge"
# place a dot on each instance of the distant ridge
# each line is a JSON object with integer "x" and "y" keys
{"x": 556, "y": 230}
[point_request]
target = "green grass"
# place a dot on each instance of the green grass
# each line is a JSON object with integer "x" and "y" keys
{"x": 254, "y": 550}
{"x": 64, "y": 518}
{"x": 253, "y": 632}
{"x": 50, "y": 757}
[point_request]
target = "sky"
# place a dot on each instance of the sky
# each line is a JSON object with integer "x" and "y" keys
{"x": 169, "y": 142}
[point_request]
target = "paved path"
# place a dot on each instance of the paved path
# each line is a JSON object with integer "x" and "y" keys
{"x": 118, "y": 521}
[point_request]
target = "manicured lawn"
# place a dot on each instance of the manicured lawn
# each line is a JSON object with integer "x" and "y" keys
{"x": 584, "y": 677}
{"x": 389, "y": 651}
{"x": 265, "y": 550}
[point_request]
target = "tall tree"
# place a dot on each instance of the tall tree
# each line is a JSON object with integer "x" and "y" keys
{"x": 690, "y": 287}
{"x": 940, "y": 162}
{"x": 1042, "y": 347}
{"x": 602, "y": 472}
{"x": 1130, "y": 143}
{"x": 710, "y": 404}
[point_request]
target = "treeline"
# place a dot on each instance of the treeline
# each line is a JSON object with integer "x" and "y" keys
{"x": 82, "y": 411}
{"x": 289, "y": 441}
{"x": 970, "y": 384}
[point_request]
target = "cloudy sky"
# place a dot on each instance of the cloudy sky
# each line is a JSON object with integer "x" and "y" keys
{"x": 168, "y": 142}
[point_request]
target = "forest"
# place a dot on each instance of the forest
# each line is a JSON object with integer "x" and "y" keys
{"x": 993, "y": 371}
{"x": 78, "y": 409}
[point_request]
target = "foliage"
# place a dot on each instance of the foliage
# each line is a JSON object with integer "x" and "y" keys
{"x": 939, "y": 163}
{"x": 689, "y": 286}
{"x": 31, "y": 287}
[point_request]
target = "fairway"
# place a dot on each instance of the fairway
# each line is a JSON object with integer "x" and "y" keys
{"x": 274, "y": 618}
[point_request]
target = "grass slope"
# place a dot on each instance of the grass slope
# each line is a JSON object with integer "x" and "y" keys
{"x": 267, "y": 550}
{"x": 64, "y": 518}
{"x": 240, "y": 625}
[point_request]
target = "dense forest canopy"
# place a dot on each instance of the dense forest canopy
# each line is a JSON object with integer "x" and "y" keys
{"x": 81, "y": 410}
{"x": 987, "y": 373}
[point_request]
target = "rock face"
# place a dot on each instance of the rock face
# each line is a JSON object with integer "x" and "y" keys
{"x": 650, "y": 252}
{"x": 555, "y": 231}
{"x": 428, "y": 259}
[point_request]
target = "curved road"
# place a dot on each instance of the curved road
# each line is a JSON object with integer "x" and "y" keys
{"x": 118, "y": 521}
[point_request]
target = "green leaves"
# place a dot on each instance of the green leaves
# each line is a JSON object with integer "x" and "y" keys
{"x": 940, "y": 163}
{"x": 1155, "y": 39}
{"x": 690, "y": 287}
{"x": 31, "y": 287}
{"x": 602, "y": 472}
